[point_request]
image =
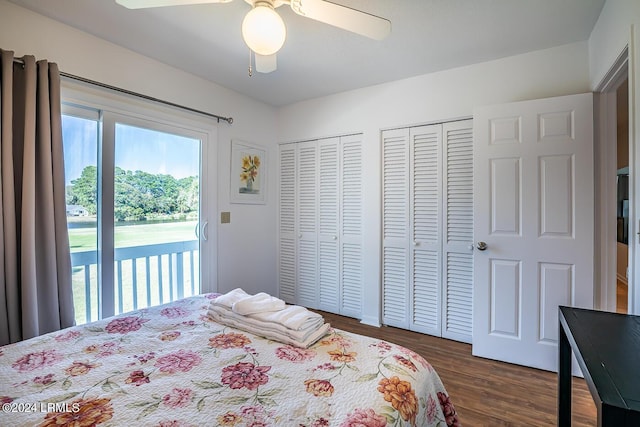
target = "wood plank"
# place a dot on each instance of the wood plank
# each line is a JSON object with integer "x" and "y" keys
{"x": 485, "y": 392}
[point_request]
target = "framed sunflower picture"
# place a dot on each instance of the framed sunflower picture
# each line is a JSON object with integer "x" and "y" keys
{"x": 248, "y": 173}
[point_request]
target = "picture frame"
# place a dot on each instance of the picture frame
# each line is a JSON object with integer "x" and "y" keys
{"x": 248, "y": 173}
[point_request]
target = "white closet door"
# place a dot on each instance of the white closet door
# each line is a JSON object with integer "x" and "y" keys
{"x": 307, "y": 210}
{"x": 287, "y": 218}
{"x": 458, "y": 236}
{"x": 395, "y": 228}
{"x": 425, "y": 188}
{"x": 351, "y": 225}
{"x": 328, "y": 238}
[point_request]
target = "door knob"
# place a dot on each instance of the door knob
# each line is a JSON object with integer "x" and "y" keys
{"x": 481, "y": 246}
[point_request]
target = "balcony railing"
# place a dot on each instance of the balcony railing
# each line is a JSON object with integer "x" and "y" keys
{"x": 144, "y": 276}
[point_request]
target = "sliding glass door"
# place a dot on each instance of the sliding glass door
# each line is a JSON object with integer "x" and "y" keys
{"x": 80, "y": 134}
{"x": 136, "y": 210}
{"x": 156, "y": 216}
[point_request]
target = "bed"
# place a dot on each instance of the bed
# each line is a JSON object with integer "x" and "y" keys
{"x": 172, "y": 365}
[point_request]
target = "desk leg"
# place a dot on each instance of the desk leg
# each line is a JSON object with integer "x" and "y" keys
{"x": 564, "y": 380}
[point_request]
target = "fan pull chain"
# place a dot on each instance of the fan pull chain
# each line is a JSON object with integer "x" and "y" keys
{"x": 250, "y": 70}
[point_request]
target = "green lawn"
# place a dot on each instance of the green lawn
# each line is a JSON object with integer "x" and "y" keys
{"x": 84, "y": 239}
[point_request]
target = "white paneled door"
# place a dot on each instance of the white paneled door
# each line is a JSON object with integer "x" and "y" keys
{"x": 533, "y": 209}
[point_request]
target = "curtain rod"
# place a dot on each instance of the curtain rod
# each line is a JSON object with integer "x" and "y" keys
{"x": 139, "y": 95}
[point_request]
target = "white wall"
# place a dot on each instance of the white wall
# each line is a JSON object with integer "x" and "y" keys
{"x": 246, "y": 254}
{"x": 618, "y": 27}
{"x": 611, "y": 35}
{"x": 428, "y": 98}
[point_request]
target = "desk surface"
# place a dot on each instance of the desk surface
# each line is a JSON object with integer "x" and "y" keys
{"x": 609, "y": 354}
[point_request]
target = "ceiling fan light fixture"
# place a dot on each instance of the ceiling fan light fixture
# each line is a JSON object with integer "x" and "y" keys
{"x": 263, "y": 30}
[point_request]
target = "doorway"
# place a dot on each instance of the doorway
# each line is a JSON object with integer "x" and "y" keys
{"x": 622, "y": 197}
{"x": 613, "y": 183}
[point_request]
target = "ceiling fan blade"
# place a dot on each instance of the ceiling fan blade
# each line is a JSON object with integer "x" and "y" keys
{"x": 349, "y": 19}
{"x": 144, "y": 4}
{"x": 266, "y": 63}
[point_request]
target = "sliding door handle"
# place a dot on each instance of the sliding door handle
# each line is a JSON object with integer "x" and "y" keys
{"x": 204, "y": 231}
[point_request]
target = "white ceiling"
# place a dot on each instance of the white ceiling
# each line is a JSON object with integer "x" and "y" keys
{"x": 317, "y": 59}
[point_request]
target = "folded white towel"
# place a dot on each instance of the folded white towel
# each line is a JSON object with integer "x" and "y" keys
{"x": 236, "y": 322}
{"x": 292, "y": 316}
{"x": 231, "y": 297}
{"x": 297, "y": 335}
{"x": 258, "y": 303}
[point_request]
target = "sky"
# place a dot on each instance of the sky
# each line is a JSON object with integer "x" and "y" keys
{"x": 136, "y": 149}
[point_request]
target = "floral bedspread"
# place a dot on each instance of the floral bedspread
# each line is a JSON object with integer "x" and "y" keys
{"x": 172, "y": 366}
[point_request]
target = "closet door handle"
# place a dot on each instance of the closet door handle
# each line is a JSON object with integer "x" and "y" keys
{"x": 335, "y": 237}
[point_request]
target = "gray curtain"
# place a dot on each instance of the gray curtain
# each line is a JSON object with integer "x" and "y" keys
{"x": 35, "y": 264}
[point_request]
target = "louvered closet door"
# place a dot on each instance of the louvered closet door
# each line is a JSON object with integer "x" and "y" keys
{"x": 328, "y": 238}
{"x": 351, "y": 226}
{"x": 307, "y": 213}
{"x": 425, "y": 189}
{"x": 395, "y": 228}
{"x": 458, "y": 226}
{"x": 427, "y": 264}
{"x": 287, "y": 218}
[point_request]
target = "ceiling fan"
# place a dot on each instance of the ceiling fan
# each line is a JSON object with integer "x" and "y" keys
{"x": 263, "y": 30}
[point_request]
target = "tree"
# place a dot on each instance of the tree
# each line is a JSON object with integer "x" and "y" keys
{"x": 138, "y": 195}
{"x": 84, "y": 191}
{"x": 188, "y": 197}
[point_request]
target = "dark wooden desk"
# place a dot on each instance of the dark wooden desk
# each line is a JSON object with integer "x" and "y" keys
{"x": 607, "y": 348}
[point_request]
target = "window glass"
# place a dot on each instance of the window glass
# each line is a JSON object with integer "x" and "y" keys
{"x": 80, "y": 136}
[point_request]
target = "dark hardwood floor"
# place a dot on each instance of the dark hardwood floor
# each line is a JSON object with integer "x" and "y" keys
{"x": 485, "y": 392}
